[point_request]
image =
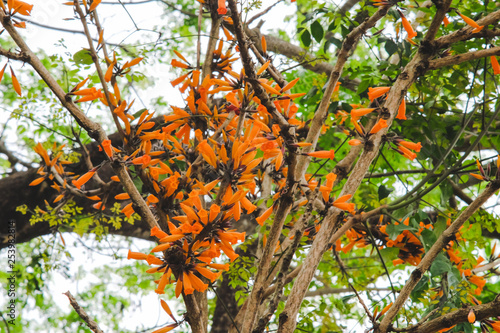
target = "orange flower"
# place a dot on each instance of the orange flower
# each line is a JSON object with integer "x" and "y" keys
{"x": 177, "y": 63}
{"x": 446, "y": 21}
{"x": 361, "y": 112}
{"x": 83, "y": 179}
{"x": 221, "y": 9}
{"x": 354, "y": 142}
{"x": 208, "y": 153}
{"x": 382, "y": 123}
{"x": 477, "y": 176}
{"x": 37, "y": 181}
{"x": 496, "y": 326}
{"x": 377, "y": 92}
{"x": 136, "y": 255}
{"x": 323, "y": 154}
{"x": 261, "y": 219}
{"x": 108, "y": 149}
{"x": 20, "y": 7}
{"x": 342, "y": 204}
{"x": 15, "y": 82}
{"x": 407, "y": 153}
{"x": 471, "y": 23}
{"x": 495, "y": 65}
{"x": 471, "y": 317}
{"x": 2, "y": 71}
{"x": 402, "y": 110}
{"x": 264, "y": 44}
{"x": 409, "y": 30}
{"x": 410, "y": 145}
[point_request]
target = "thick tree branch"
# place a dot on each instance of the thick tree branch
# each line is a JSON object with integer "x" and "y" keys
{"x": 335, "y": 215}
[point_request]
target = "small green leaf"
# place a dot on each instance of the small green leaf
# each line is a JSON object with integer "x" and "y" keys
{"x": 383, "y": 192}
{"x": 317, "y": 31}
{"x": 83, "y": 57}
{"x": 306, "y": 38}
{"x": 440, "y": 265}
{"x": 391, "y": 47}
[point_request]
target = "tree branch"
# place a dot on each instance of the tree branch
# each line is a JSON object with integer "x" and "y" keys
{"x": 81, "y": 312}
{"x": 460, "y": 58}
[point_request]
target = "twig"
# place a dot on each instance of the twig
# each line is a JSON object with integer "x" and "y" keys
{"x": 81, "y": 312}
{"x": 265, "y": 11}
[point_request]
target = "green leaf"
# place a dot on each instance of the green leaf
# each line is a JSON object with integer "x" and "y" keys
{"x": 391, "y": 47}
{"x": 383, "y": 192}
{"x": 394, "y": 230}
{"x": 312, "y": 92}
{"x": 306, "y": 38}
{"x": 317, "y": 31}
{"x": 429, "y": 238}
{"x": 440, "y": 265}
{"x": 389, "y": 253}
{"x": 83, "y": 57}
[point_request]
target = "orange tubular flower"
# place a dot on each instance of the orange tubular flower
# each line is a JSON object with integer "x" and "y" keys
{"x": 177, "y": 63}
{"x": 495, "y": 65}
{"x": 407, "y": 153}
{"x": 471, "y": 23}
{"x": 83, "y": 179}
{"x": 37, "y": 181}
{"x": 471, "y": 317}
{"x": 409, "y": 30}
{"x": 402, "y": 110}
{"x": 108, "y": 149}
{"x": 15, "y": 82}
{"x": 323, "y": 154}
{"x": 410, "y": 145}
{"x": 382, "y": 123}
{"x": 354, "y": 142}
{"x": 20, "y": 7}
{"x": 222, "y": 10}
{"x": 166, "y": 329}
{"x": 377, "y": 92}
{"x": 208, "y": 153}
{"x": 136, "y": 255}
{"x": 446, "y": 21}
{"x": 94, "y": 5}
{"x": 496, "y": 326}
{"x": 342, "y": 204}
{"x": 261, "y": 219}
{"x": 361, "y": 112}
